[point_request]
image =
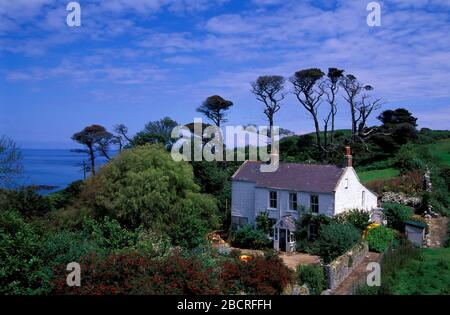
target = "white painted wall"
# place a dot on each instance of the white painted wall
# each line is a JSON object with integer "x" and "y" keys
{"x": 243, "y": 200}
{"x": 351, "y": 197}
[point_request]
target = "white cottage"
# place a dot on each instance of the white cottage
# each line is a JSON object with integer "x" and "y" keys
{"x": 322, "y": 189}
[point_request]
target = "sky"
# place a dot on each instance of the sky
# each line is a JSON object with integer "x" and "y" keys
{"x": 134, "y": 61}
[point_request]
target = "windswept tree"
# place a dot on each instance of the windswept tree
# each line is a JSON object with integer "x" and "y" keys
{"x": 308, "y": 92}
{"x": 10, "y": 159}
{"x": 331, "y": 88}
{"x": 156, "y": 132}
{"x": 215, "y": 108}
{"x": 353, "y": 88}
{"x": 121, "y": 137}
{"x": 96, "y": 139}
{"x": 270, "y": 91}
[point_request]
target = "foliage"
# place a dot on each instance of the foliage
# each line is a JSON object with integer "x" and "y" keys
{"x": 215, "y": 108}
{"x": 250, "y": 238}
{"x": 395, "y": 257}
{"x": 144, "y": 186}
{"x": 378, "y": 174}
{"x": 156, "y": 132}
{"x": 215, "y": 178}
{"x": 380, "y": 238}
{"x": 63, "y": 198}
{"x": 263, "y": 222}
{"x": 260, "y": 276}
{"x": 313, "y": 276}
{"x": 22, "y": 271}
{"x": 334, "y": 240}
{"x": 396, "y": 215}
{"x": 358, "y": 218}
{"x": 428, "y": 275}
{"x": 132, "y": 273}
{"x": 10, "y": 160}
{"x": 26, "y": 201}
{"x": 304, "y": 240}
{"x": 96, "y": 139}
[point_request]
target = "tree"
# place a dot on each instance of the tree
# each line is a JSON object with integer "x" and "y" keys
{"x": 352, "y": 88}
{"x": 121, "y": 137}
{"x": 145, "y": 186}
{"x": 10, "y": 159}
{"x": 156, "y": 132}
{"x": 399, "y": 127}
{"x": 270, "y": 91}
{"x": 306, "y": 89}
{"x": 96, "y": 139}
{"x": 331, "y": 89}
{"x": 215, "y": 108}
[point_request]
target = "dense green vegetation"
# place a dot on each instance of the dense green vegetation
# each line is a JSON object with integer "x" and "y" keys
{"x": 387, "y": 173}
{"x": 428, "y": 274}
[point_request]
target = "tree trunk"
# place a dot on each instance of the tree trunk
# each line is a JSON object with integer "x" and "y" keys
{"x": 92, "y": 158}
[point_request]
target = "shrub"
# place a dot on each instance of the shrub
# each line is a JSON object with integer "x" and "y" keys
{"x": 359, "y": 218}
{"x": 396, "y": 215}
{"x": 261, "y": 276}
{"x": 313, "y": 276}
{"x": 132, "y": 273}
{"x": 334, "y": 240}
{"x": 22, "y": 271}
{"x": 145, "y": 186}
{"x": 263, "y": 222}
{"x": 380, "y": 238}
{"x": 248, "y": 237}
{"x": 26, "y": 201}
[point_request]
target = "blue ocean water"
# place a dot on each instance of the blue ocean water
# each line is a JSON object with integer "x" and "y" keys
{"x": 52, "y": 167}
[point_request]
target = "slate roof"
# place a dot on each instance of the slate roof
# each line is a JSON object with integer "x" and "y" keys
{"x": 292, "y": 176}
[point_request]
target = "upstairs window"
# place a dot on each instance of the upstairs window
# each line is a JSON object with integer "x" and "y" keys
{"x": 346, "y": 183}
{"x": 273, "y": 200}
{"x": 293, "y": 201}
{"x": 314, "y": 203}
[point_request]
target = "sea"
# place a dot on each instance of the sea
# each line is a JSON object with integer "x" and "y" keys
{"x": 51, "y": 170}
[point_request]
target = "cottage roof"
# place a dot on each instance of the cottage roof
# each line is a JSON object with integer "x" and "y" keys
{"x": 292, "y": 176}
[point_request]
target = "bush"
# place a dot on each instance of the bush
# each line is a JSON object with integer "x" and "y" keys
{"x": 359, "y": 218}
{"x": 313, "y": 276}
{"x": 263, "y": 222}
{"x": 380, "y": 238}
{"x": 248, "y": 237}
{"x": 396, "y": 215}
{"x": 145, "y": 186}
{"x": 334, "y": 240}
{"x": 135, "y": 274}
{"x": 26, "y": 201}
{"x": 22, "y": 271}
{"x": 260, "y": 276}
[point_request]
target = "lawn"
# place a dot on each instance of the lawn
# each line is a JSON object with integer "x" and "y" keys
{"x": 441, "y": 151}
{"x": 386, "y": 173}
{"x": 428, "y": 275}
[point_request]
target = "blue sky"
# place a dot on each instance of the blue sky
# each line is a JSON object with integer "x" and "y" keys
{"x": 133, "y": 61}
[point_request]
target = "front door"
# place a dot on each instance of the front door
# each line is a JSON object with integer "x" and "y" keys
{"x": 282, "y": 240}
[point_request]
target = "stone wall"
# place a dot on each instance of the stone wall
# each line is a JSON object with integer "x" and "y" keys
{"x": 342, "y": 266}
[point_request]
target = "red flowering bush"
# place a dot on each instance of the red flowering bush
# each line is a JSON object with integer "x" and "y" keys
{"x": 261, "y": 275}
{"x": 135, "y": 274}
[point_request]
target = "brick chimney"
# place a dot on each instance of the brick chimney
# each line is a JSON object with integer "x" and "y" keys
{"x": 348, "y": 156}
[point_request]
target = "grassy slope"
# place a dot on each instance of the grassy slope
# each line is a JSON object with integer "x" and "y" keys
{"x": 441, "y": 151}
{"x": 431, "y": 275}
{"x": 387, "y": 173}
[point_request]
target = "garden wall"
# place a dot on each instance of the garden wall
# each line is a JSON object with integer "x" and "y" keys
{"x": 342, "y": 266}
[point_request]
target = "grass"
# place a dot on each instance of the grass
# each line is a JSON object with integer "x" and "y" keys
{"x": 386, "y": 173}
{"x": 441, "y": 151}
{"x": 428, "y": 275}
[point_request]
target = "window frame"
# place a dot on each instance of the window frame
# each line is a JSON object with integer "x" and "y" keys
{"x": 271, "y": 199}
{"x": 290, "y": 202}
{"x": 314, "y": 205}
